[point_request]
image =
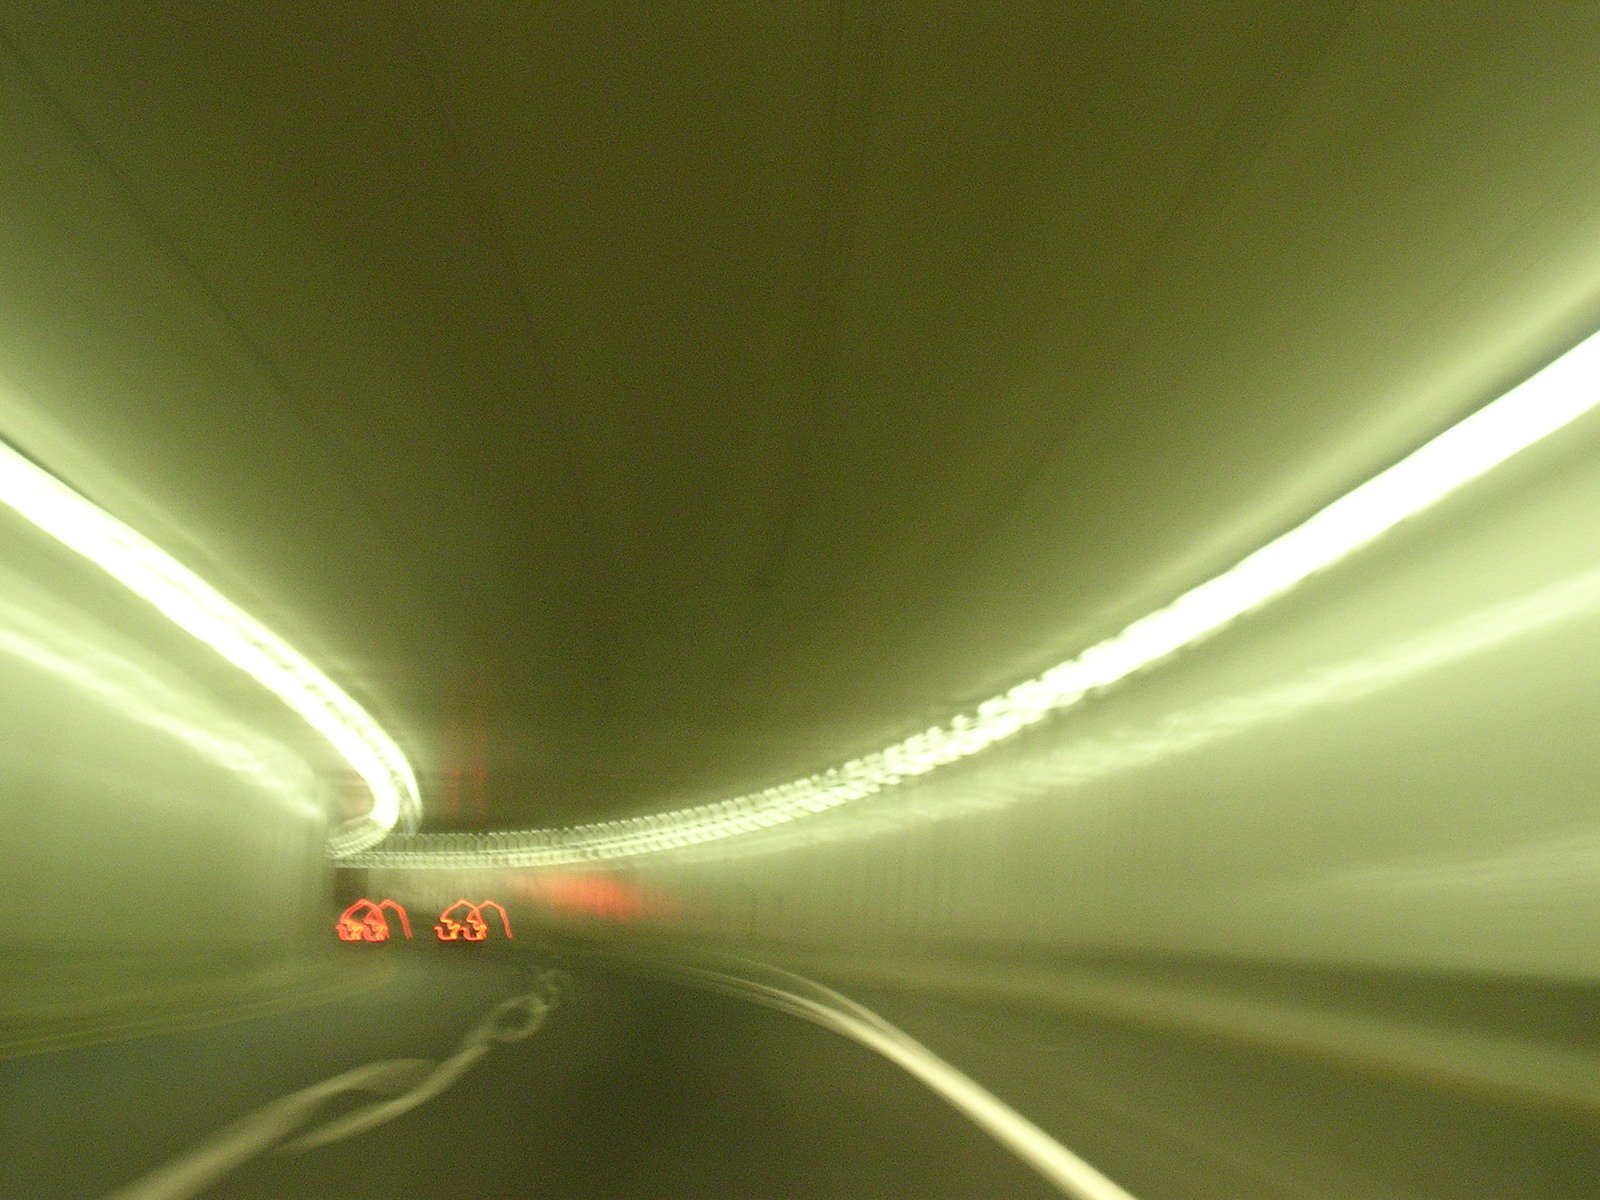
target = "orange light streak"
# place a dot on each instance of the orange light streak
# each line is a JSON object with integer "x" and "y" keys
{"x": 364, "y": 921}
{"x": 464, "y": 921}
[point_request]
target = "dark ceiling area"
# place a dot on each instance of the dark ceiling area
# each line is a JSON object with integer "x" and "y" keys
{"x": 638, "y": 404}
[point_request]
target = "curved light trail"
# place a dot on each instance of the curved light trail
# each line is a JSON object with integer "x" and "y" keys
{"x": 1547, "y": 401}
{"x": 197, "y": 608}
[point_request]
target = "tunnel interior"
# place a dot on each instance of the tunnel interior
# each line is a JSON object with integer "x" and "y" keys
{"x": 808, "y": 600}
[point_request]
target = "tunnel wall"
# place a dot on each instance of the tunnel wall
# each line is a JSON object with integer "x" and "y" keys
{"x": 1394, "y": 766}
{"x": 160, "y": 831}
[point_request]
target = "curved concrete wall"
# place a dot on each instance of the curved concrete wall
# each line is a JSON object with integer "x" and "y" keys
{"x": 1395, "y": 766}
{"x": 149, "y": 802}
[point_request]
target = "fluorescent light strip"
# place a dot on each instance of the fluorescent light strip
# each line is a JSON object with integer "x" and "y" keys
{"x": 198, "y": 609}
{"x": 1554, "y": 397}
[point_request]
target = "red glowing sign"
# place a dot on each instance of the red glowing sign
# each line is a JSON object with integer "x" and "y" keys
{"x": 464, "y": 921}
{"x": 365, "y": 921}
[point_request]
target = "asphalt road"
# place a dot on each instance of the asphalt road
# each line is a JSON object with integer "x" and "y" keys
{"x": 639, "y": 1087}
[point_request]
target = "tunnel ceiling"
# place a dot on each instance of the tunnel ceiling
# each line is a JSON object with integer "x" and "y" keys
{"x": 639, "y": 404}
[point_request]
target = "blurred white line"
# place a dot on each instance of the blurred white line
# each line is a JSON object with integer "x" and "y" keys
{"x": 822, "y": 1006}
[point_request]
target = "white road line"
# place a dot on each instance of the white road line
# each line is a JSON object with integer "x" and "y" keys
{"x": 1065, "y": 1170}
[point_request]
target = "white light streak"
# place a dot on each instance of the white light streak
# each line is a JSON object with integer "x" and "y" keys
{"x": 1549, "y": 400}
{"x": 200, "y": 610}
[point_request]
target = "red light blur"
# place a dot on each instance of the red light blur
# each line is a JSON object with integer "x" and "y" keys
{"x": 365, "y": 921}
{"x": 598, "y": 895}
{"x": 464, "y": 921}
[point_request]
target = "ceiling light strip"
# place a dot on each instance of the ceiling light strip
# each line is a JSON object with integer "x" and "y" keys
{"x": 200, "y": 610}
{"x": 1554, "y": 397}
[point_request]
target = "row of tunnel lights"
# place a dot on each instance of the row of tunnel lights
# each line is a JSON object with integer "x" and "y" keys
{"x": 1550, "y": 399}
{"x": 1547, "y": 401}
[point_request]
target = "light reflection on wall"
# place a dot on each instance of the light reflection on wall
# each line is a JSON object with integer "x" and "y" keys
{"x": 1549, "y": 400}
{"x": 135, "y": 692}
{"x": 1077, "y": 763}
{"x": 194, "y": 606}
{"x": 598, "y": 895}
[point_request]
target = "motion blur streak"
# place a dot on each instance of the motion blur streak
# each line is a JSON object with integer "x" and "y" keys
{"x": 825, "y": 1007}
{"x": 197, "y": 608}
{"x": 1549, "y": 400}
{"x": 366, "y": 921}
{"x": 1085, "y": 761}
{"x": 137, "y": 693}
{"x": 465, "y": 920}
